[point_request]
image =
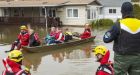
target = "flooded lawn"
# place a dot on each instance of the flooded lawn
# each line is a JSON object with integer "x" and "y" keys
{"x": 75, "y": 60}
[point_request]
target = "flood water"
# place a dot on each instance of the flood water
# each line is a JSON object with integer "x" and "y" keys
{"x": 74, "y": 60}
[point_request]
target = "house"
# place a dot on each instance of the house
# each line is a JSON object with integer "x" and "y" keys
{"x": 111, "y": 9}
{"x": 69, "y": 12}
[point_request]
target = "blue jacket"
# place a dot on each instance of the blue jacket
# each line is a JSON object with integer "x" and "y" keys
{"x": 126, "y": 36}
{"x": 112, "y": 33}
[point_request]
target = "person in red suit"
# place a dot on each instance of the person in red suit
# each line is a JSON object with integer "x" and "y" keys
{"x": 22, "y": 39}
{"x": 102, "y": 56}
{"x": 86, "y": 33}
{"x": 59, "y": 37}
{"x": 13, "y": 64}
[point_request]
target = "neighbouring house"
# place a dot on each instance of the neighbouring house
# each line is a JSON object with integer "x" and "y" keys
{"x": 57, "y": 12}
{"x": 111, "y": 9}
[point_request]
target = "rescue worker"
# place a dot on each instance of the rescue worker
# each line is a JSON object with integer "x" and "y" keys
{"x": 68, "y": 35}
{"x": 102, "y": 56}
{"x": 13, "y": 64}
{"x": 34, "y": 38}
{"x": 22, "y": 40}
{"x": 86, "y": 33}
{"x": 126, "y": 36}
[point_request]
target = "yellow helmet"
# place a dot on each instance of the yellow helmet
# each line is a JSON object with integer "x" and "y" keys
{"x": 15, "y": 55}
{"x": 100, "y": 50}
{"x": 23, "y": 27}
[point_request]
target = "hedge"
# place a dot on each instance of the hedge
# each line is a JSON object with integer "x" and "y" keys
{"x": 102, "y": 22}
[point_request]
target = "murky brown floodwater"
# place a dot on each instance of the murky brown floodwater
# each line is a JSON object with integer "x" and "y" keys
{"x": 78, "y": 60}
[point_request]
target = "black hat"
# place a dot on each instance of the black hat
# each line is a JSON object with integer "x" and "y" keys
{"x": 127, "y": 8}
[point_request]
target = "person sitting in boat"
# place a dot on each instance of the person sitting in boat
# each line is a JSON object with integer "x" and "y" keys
{"x": 50, "y": 38}
{"x": 22, "y": 40}
{"x": 68, "y": 35}
{"x": 34, "y": 38}
{"x": 86, "y": 33}
{"x": 59, "y": 37}
{"x": 13, "y": 64}
{"x": 102, "y": 55}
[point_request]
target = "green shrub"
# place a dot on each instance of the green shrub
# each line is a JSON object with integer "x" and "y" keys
{"x": 105, "y": 22}
{"x": 136, "y": 11}
{"x": 135, "y": 0}
{"x": 102, "y": 22}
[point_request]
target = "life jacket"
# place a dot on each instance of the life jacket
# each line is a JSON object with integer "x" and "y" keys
{"x": 129, "y": 37}
{"x": 13, "y": 68}
{"x": 105, "y": 67}
{"x": 52, "y": 33}
{"x": 34, "y": 39}
{"x": 68, "y": 36}
{"x": 59, "y": 36}
{"x": 24, "y": 38}
{"x": 68, "y": 33}
{"x": 86, "y": 34}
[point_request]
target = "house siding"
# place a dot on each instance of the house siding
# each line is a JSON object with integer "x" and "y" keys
{"x": 106, "y": 14}
{"x": 81, "y": 20}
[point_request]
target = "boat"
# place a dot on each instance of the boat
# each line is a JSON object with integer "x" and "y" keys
{"x": 44, "y": 48}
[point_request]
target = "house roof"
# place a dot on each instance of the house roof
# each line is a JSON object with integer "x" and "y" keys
{"x": 112, "y": 3}
{"x": 41, "y": 3}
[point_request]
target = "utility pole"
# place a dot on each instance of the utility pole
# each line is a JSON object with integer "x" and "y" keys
{"x": 46, "y": 18}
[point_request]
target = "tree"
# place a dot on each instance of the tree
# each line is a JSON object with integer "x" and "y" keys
{"x": 136, "y": 11}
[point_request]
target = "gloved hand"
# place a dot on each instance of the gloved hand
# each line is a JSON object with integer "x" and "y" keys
{"x": 27, "y": 70}
{"x": 15, "y": 41}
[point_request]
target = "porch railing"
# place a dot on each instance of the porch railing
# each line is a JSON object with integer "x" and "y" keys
{"x": 51, "y": 21}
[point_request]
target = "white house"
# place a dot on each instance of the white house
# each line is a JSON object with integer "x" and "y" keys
{"x": 70, "y": 12}
{"x": 111, "y": 9}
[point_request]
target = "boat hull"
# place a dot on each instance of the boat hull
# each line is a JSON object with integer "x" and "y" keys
{"x": 44, "y": 48}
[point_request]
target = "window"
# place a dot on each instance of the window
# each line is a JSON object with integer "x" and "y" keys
{"x": 69, "y": 12}
{"x": 6, "y": 12}
{"x": 72, "y": 13}
{"x": 22, "y": 12}
{"x": 16, "y": 12}
{"x": 100, "y": 10}
{"x": 49, "y": 12}
{"x": 88, "y": 14}
{"x": 112, "y": 11}
{"x": 91, "y": 14}
{"x": 75, "y": 13}
{"x": 43, "y": 11}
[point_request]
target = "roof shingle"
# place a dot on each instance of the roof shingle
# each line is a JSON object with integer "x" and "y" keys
{"x": 41, "y": 3}
{"x": 113, "y": 3}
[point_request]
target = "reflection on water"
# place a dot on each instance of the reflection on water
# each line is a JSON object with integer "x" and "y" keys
{"x": 33, "y": 60}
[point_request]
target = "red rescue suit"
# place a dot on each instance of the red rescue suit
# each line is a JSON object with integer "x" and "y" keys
{"x": 13, "y": 68}
{"x": 24, "y": 38}
{"x": 105, "y": 67}
{"x": 86, "y": 34}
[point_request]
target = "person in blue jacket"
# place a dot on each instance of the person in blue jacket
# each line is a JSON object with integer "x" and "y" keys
{"x": 126, "y": 36}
